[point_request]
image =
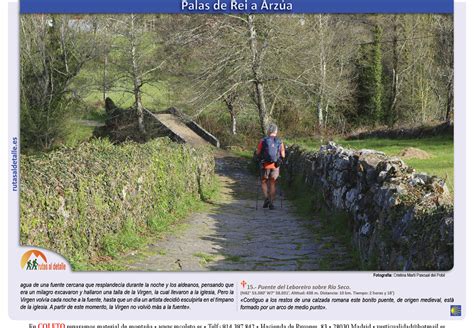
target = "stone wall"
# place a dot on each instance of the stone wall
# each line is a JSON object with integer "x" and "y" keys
{"x": 400, "y": 219}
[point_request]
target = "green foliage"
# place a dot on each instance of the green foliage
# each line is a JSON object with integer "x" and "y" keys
{"x": 96, "y": 114}
{"x": 211, "y": 192}
{"x": 205, "y": 258}
{"x": 387, "y": 70}
{"x": 370, "y": 83}
{"x": 50, "y": 59}
{"x": 128, "y": 238}
{"x": 377, "y": 97}
{"x": 98, "y": 199}
{"x": 78, "y": 133}
{"x": 247, "y": 154}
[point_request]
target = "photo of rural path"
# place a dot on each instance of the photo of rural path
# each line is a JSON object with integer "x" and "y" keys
{"x": 238, "y": 142}
{"x": 233, "y": 235}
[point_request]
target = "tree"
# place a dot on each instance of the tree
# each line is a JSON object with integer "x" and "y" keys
{"x": 231, "y": 52}
{"x": 53, "y": 51}
{"x": 376, "y": 101}
{"x": 136, "y": 58}
{"x": 395, "y": 77}
{"x": 258, "y": 48}
{"x": 106, "y": 47}
{"x": 370, "y": 86}
{"x": 325, "y": 73}
{"x": 444, "y": 31}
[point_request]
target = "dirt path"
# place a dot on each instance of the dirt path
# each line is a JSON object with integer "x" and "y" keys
{"x": 232, "y": 235}
{"x": 89, "y": 123}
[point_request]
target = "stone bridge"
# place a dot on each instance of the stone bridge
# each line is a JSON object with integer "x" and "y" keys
{"x": 121, "y": 125}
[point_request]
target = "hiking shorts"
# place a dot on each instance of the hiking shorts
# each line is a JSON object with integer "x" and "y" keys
{"x": 270, "y": 174}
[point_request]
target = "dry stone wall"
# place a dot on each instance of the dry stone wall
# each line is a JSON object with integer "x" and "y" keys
{"x": 400, "y": 219}
{"x": 78, "y": 201}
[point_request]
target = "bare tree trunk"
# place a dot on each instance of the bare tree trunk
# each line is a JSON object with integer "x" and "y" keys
{"x": 234, "y": 122}
{"x": 449, "y": 103}
{"x": 423, "y": 104}
{"x": 319, "y": 108}
{"x": 322, "y": 71}
{"x": 326, "y": 113}
{"x": 395, "y": 74}
{"x": 257, "y": 76}
{"x": 139, "y": 109}
{"x": 105, "y": 88}
{"x": 137, "y": 84}
{"x": 394, "y": 95}
{"x": 320, "y": 105}
{"x": 229, "y": 102}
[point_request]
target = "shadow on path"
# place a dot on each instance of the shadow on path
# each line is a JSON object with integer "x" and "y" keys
{"x": 233, "y": 235}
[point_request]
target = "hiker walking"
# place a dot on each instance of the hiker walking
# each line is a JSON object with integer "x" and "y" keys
{"x": 270, "y": 152}
{"x": 35, "y": 264}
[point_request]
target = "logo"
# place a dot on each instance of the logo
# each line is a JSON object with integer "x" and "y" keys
{"x": 29, "y": 260}
{"x": 35, "y": 260}
{"x": 455, "y": 310}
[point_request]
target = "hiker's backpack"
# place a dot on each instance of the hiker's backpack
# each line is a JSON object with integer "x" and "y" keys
{"x": 271, "y": 149}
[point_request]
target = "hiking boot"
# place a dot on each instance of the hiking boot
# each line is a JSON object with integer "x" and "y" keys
{"x": 266, "y": 203}
{"x": 271, "y": 206}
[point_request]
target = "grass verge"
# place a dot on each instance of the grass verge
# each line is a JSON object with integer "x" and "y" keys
{"x": 329, "y": 227}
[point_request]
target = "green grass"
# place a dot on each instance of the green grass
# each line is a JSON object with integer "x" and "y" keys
{"x": 114, "y": 245}
{"x": 247, "y": 154}
{"x": 95, "y": 114}
{"x": 440, "y": 148}
{"x": 155, "y": 97}
{"x": 163, "y": 224}
{"x": 205, "y": 258}
{"x": 333, "y": 223}
{"x": 78, "y": 133}
{"x": 211, "y": 193}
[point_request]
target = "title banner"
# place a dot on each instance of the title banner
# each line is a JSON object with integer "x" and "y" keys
{"x": 235, "y": 6}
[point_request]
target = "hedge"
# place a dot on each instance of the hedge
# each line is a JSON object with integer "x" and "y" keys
{"x": 78, "y": 201}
